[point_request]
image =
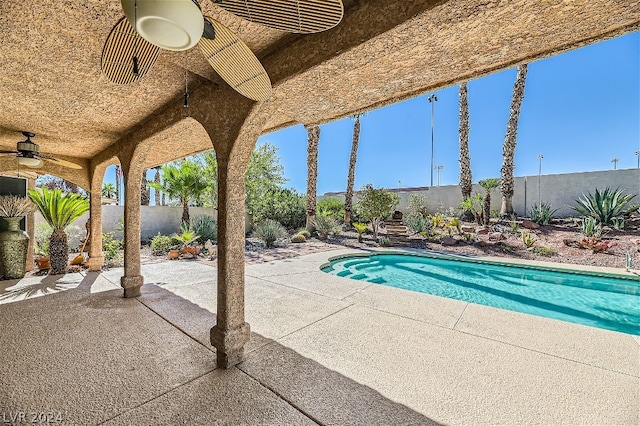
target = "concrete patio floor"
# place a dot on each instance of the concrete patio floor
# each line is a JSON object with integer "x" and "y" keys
{"x": 323, "y": 350}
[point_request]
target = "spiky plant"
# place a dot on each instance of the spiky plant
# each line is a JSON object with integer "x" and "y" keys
{"x": 187, "y": 235}
{"x": 353, "y": 158}
{"x": 313, "y": 140}
{"x": 360, "y": 228}
{"x": 15, "y": 206}
{"x": 465, "y": 160}
{"x": 604, "y": 206}
{"x": 325, "y": 225}
{"x": 59, "y": 211}
{"x": 269, "y": 231}
{"x": 488, "y": 185}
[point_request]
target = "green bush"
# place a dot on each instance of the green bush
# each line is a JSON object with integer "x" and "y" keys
{"x": 333, "y": 206}
{"x": 42, "y": 232}
{"x": 542, "y": 214}
{"x": 284, "y": 206}
{"x": 360, "y": 228}
{"x": 604, "y": 206}
{"x": 298, "y": 238}
{"x": 590, "y": 228}
{"x": 205, "y": 226}
{"x": 384, "y": 242}
{"x": 325, "y": 226}
{"x": 269, "y": 231}
{"x": 161, "y": 244}
{"x": 110, "y": 246}
{"x": 544, "y": 251}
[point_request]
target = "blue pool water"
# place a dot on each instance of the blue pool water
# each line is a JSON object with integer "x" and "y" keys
{"x": 605, "y": 302}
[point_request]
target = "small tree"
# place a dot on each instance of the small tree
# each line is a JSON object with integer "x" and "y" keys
{"x": 108, "y": 190}
{"x": 376, "y": 204}
{"x": 488, "y": 185}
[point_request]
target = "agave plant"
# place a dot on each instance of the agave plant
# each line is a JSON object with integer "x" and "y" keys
{"x": 604, "y": 206}
{"x": 59, "y": 211}
{"x": 542, "y": 214}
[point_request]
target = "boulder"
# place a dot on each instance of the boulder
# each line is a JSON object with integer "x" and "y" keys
{"x": 482, "y": 230}
{"x": 529, "y": 224}
{"x": 449, "y": 241}
{"x": 468, "y": 229}
{"x": 495, "y": 236}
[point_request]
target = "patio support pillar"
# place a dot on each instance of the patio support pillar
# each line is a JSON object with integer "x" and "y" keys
{"x": 132, "y": 170}
{"x": 231, "y": 332}
{"x": 96, "y": 260}
{"x": 31, "y": 227}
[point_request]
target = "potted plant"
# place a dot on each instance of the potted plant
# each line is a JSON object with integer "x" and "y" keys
{"x": 14, "y": 242}
{"x": 59, "y": 210}
{"x": 187, "y": 237}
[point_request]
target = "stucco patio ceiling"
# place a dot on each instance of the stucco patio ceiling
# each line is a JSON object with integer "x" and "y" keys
{"x": 51, "y": 82}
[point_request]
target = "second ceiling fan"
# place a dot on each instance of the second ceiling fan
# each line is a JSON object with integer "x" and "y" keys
{"x": 134, "y": 43}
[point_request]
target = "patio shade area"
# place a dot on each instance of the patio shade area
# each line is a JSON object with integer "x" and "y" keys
{"x": 323, "y": 350}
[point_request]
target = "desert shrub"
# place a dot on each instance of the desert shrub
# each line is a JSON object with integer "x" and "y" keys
{"x": 417, "y": 223}
{"x": 604, "y": 206}
{"x": 333, "y": 206}
{"x": 284, "y": 206}
{"x": 360, "y": 228}
{"x": 375, "y": 205}
{"x": 269, "y": 231}
{"x": 42, "y": 232}
{"x": 528, "y": 239}
{"x": 542, "y": 214}
{"x": 591, "y": 228}
{"x": 298, "y": 238}
{"x": 205, "y": 226}
{"x": 75, "y": 236}
{"x": 325, "y": 225}
{"x": 161, "y": 244}
{"x": 110, "y": 246}
{"x": 384, "y": 242}
{"x": 544, "y": 251}
{"x": 451, "y": 225}
{"x": 305, "y": 233}
{"x": 417, "y": 205}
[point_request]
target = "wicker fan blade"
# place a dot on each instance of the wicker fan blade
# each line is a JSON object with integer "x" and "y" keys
{"x": 60, "y": 162}
{"x": 7, "y": 153}
{"x": 295, "y": 16}
{"x": 121, "y": 46}
{"x": 236, "y": 63}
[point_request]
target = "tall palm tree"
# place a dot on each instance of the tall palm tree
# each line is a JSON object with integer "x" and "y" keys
{"x": 145, "y": 192}
{"x": 156, "y": 180}
{"x": 465, "y": 160}
{"x": 118, "y": 176}
{"x": 488, "y": 185}
{"x": 510, "y": 140}
{"x": 184, "y": 181}
{"x": 353, "y": 158}
{"x": 108, "y": 190}
{"x": 313, "y": 139}
{"x": 59, "y": 211}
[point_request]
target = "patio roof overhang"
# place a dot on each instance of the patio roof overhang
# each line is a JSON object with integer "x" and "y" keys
{"x": 51, "y": 82}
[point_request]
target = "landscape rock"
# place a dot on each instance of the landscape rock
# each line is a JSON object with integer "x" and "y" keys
{"x": 495, "y": 236}
{"x": 482, "y": 230}
{"x": 529, "y": 224}
{"x": 449, "y": 241}
{"x": 481, "y": 243}
{"x": 468, "y": 229}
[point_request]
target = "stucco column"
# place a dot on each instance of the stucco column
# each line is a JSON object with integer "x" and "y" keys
{"x": 31, "y": 230}
{"x": 96, "y": 260}
{"x": 231, "y": 332}
{"x": 132, "y": 279}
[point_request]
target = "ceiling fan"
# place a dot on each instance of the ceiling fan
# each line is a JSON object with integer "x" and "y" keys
{"x": 29, "y": 155}
{"x": 134, "y": 43}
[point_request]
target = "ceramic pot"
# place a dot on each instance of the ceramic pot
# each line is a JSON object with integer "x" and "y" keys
{"x": 173, "y": 254}
{"x": 43, "y": 262}
{"x": 191, "y": 250}
{"x": 14, "y": 244}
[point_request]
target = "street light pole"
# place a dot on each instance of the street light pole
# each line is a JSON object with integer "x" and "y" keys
{"x": 438, "y": 168}
{"x": 540, "y": 157}
{"x": 432, "y": 100}
{"x": 615, "y": 162}
{"x": 638, "y": 155}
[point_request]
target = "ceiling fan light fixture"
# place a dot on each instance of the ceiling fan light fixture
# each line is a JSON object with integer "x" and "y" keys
{"x": 172, "y": 25}
{"x": 29, "y": 161}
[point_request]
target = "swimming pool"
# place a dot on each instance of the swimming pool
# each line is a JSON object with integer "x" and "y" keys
{"x": 599, "y": 301}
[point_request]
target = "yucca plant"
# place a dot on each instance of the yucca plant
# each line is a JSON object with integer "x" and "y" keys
{"x": 59, "y": 211}
{"x": 269, "y": 231}
{"x": 325, "y": 225}
{"x": 604, "y": 206}
{"x": 542, "y": 214}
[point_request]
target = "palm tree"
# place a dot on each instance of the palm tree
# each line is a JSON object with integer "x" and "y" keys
{"x": 59, "y": 211}
{"x": 145, "y": 192}
{"x": 108, "y": 190}
{"x": 184, "y": 181}
{"x": 156, "y": 180}
{"x": 118, "y": 176}
{"x": 313, "y": 139}
{"x": 488, "y": 185}
{"x": 465, "y": 160}
{"x": 353, "y": 158}
{"x": 510, "y": 140}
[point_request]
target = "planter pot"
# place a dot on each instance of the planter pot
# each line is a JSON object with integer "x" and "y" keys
{"x": 173, "y": 254}
{"x": 14, "y": 244}
{"x": 43, "y": 263}
{"x": 191, "y": 250}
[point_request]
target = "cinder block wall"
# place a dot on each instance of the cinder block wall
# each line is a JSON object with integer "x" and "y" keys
{"x": 560, "y": 190}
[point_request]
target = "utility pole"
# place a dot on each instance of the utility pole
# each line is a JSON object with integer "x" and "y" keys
{"x": 438, "y": 168}
{"x": 540, "y": 157}
{"x": 638, "y": 155}
{"x": 615, "y": 162}
{"x": 432, "y": 100}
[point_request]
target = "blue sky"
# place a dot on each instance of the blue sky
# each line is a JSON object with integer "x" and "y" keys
{"x": 581, "y": 109}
